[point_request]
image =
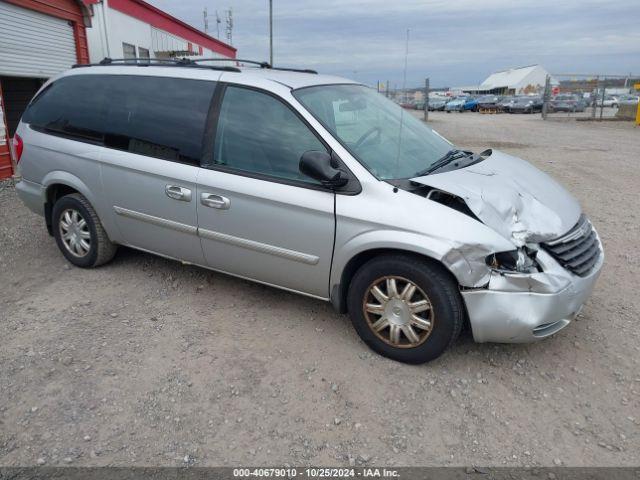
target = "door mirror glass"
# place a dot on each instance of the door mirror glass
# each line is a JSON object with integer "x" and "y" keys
{"x": 320, "y": 166}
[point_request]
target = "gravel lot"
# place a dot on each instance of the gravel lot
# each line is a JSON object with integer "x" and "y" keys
{"x": 148, "y": 362}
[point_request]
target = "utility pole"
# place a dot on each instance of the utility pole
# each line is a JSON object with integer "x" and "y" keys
{"x": 229, "y": 27}
{"x": 206, "y": 20}
{"x": 426, "y": 99}
{"x": 271, "y": 32}
{"x": 218, "y": 22}
{"x": 404, "y": 75}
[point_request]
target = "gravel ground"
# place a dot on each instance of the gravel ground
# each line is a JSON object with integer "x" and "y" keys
{"x": 148, "y": 362}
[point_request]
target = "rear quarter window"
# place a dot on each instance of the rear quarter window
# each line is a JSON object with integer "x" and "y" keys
{"x": 71, "y": 106}
{"x": 159, "y": 117}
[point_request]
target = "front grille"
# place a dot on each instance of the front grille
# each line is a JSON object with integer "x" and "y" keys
{"x": 579, "y": 250}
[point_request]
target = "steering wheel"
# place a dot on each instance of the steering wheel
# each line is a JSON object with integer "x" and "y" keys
{"x": 366, "y": 135}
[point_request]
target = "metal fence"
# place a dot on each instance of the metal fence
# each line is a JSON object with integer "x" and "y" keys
{"x": 589, "y": 97}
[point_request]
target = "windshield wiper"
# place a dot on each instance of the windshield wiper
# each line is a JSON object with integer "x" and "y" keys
{"x": 448, "y": 157}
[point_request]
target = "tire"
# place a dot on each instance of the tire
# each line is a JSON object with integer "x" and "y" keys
{"x": 97, "y": 249}
{"x": 431, "y": 281}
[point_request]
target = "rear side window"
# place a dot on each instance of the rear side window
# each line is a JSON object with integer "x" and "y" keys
{"x": 158, "y": 116}
{"x": 153, "y": 116}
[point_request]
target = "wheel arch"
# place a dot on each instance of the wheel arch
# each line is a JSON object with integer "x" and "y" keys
{"x": 339, "y": 290}
{"x": 57, "y": 184}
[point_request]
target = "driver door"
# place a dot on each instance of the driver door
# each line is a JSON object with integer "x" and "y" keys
{"x": 258, "y": 216}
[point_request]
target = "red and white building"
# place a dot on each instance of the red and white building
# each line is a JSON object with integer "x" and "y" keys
{"x": 40, "y": 38}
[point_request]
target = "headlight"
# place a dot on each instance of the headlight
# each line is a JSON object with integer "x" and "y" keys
{"x": 522, "y": 260}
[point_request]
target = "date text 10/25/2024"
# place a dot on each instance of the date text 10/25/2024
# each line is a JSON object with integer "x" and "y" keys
{"x": 311, "y": 472}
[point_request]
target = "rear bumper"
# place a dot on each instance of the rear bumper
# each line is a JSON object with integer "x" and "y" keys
{"x": 520, "y": 308}
{"x": 32, "y": 195}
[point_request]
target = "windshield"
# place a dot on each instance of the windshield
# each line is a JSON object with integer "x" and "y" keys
{"x": 389, "y": 141}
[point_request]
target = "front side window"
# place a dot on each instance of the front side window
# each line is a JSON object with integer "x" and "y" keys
{"x": 385, "y": 138}
{"x": 259, "y": 134}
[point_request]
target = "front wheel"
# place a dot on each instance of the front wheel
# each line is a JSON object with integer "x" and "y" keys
{"x": 79, "y": 233}
{"x": 405, "y": 308}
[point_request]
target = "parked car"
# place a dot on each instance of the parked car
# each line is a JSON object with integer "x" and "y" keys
{"x": 526, "y": 105}
{"x": 504, "y": 105}
{"x": 488, "y": 101}
{"x": 628, "y": 100}
{"x": 461, "y": 104}
{"x": 456, "y": 104}
{"x": 566, "y": 102}
{"x": 247, "y": 172}
{"x": 609, "y": 101}
{"x": 437, "y": 104}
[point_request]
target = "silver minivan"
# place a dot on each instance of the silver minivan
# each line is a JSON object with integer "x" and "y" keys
{"x": 314, "y": 184}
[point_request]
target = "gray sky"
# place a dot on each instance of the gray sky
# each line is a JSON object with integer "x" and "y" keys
{"x": 454, "y": 42}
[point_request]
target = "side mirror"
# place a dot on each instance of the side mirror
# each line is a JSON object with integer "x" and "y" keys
{"x": 320, "y": 166}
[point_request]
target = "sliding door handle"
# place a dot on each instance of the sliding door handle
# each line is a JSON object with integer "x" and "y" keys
{"x": 215, "y": 201}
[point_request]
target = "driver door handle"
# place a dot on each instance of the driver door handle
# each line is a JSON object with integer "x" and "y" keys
{"x": 215, "y": 201}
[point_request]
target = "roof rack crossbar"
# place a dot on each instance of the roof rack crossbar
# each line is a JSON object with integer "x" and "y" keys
{"x": 254, "y": 62}
{"x": 237, "y": 60}
{"x": 300, "y": 70}
{"x": 145, "y": 62}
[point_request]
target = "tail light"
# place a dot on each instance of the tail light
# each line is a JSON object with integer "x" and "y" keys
{"x": 18, "y": 146}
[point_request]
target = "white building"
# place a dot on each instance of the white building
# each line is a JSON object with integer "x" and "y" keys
{"x": 514, "y": 81}
{"x": 134, "y": 28}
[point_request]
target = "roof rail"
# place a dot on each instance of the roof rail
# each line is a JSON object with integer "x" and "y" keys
{"x": 254, "y": 62}
{"x": 187, "y": 62}
{"x": 146, "y": 62}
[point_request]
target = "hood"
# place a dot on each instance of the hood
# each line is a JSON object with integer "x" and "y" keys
{"x": 512, "y": 197}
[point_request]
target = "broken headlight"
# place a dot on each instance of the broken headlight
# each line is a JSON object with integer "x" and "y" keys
{"x": 522, "y": 260}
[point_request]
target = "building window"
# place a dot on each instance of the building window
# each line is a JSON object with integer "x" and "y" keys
{"x": 143, "y": 53}
{"x": 129, "y": 51}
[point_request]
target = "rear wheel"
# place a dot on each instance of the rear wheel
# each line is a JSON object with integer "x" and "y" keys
{"x": 405, "y": 308}
{"x": 79, "y": 233}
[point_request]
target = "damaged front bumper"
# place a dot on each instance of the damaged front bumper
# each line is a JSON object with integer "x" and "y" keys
{"x": 520, "y": 308}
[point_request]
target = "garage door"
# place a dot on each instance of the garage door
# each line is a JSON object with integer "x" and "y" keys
{"x": 33, "y": 44}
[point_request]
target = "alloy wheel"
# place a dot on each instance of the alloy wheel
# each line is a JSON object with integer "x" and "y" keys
{"x": 398, "y": 312}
